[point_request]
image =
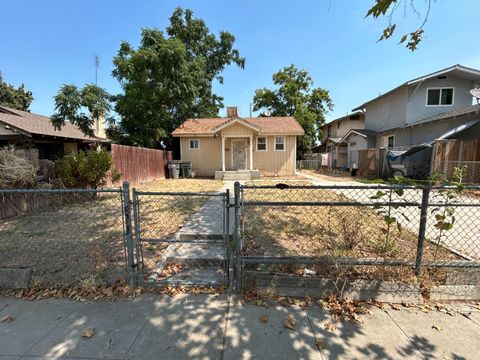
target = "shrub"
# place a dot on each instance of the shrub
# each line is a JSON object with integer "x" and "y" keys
{"x": 15, "y": 171}
{"x": 87, "y": 169}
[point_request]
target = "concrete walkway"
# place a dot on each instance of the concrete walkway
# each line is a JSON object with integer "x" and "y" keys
{"x": 209, "y": 327}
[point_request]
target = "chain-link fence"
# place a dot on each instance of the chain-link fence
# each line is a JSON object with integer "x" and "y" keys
{"x": 383, "y": 232}
{"x": 446, "y": 170}
{"x": 67, "y": 238}
{"x": 181, "y": 238}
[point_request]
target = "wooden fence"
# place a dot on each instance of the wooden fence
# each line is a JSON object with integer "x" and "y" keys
{"x": 137, "y": 164}
{"x": 368, "y": 162}
{"x": 450, "y": 154}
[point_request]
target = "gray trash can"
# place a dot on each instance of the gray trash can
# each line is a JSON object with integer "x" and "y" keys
{"x": 174, "y": 169}
{"x": 186, "y": 169}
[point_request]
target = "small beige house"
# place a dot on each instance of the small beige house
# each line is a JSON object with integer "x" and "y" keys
{"x": 223, "y": 147}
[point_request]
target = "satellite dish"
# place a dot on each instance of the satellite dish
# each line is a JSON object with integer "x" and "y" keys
{"x": 476, "y": 94}
{"x": 269, "y": 113}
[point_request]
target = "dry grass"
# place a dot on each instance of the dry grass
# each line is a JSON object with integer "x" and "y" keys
{"x": 327, "y": 231}
{"x": 77, "y": 240}
{"x": 183, "y": 185}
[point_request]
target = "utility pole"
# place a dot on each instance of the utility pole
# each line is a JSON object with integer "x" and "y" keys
{"x": 97, "y": 64}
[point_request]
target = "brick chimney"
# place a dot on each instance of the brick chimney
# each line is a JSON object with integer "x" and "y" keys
{"x": 232, "y": 112}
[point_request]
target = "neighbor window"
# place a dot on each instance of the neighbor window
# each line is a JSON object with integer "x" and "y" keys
{"x": 391, "y": 142}
{"x": 329, "y": 130}
{"x": 279, "y": 144}
{"x": 262, "y": 144}
{"x": 439, "y": 96}
{"x": 194, "y": 144}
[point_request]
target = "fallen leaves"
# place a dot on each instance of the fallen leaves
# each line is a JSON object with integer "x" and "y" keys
{"x": 437, "y": 327}
{"x": 87, "y": 334}
{"x": 118, "y": 290}
{"x": 289, "y": 322}
{"x": 7, "y": 319}
{"x": 320, "y": 344}
{"x": 263, "y": 318}
{"x": 330, "y": 326}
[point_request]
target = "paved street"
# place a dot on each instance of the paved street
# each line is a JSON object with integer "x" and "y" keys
{"x": 221, "y": 327}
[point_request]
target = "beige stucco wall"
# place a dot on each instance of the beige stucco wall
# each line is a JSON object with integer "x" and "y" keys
{"x": 207, "y": 159}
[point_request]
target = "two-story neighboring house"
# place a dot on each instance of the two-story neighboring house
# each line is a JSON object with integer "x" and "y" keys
{"x": 332, "y": 135}
{"x": 409, "y": 118}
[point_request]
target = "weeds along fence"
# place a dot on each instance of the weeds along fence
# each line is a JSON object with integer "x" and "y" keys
{"x": 67, "y": 238}
{"x": 446, "y": 170}
{"x": 397, "y": 233}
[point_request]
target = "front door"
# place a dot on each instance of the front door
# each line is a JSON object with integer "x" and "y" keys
{"x": 239, "y": 155}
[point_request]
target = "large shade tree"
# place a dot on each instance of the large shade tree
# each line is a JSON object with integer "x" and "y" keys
{"x": 168, "y": 78}
{"x": 14, "y": 97}
{"x": 295, "y": 96}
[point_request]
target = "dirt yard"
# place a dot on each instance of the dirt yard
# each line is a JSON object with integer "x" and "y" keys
{"x": 78, "y": 239}
{"x": 327, "y": 231}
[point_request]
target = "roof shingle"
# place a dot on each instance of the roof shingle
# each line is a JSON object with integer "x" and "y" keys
{"x": 40, "y": 125}
{"x": 277, "y": 125}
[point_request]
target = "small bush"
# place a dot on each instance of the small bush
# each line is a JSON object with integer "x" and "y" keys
{"x": 87, "y": 169}
{"x": 15, "y": 171}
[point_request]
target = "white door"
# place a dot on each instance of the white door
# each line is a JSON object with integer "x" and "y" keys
{"x": 239, "y": 155}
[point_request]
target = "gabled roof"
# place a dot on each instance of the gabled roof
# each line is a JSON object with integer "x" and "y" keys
{"x": 359, "y": 113}
{"x": 236, "y": 120}
{"x": 277, "y": 125}
{"x": 362, "y": 132}
{"x": 33, "y": 124}
{"x": 459, "y": 70}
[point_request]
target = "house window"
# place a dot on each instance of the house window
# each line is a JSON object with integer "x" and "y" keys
{"x": 194, "y": 144}
{"x": 391, "y": 142}
{"x": 261, "y": 144}
{"x": 440, "y": 96}
{"x": 279, "y": 143}
{"x": 329, "y": 130}
{"x": 338, "y": 125}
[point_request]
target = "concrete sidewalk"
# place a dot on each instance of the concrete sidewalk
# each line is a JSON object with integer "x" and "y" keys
{"x": 221, "y": 327}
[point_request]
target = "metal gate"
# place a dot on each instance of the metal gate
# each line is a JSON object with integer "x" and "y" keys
{"x": 181, "y": 238}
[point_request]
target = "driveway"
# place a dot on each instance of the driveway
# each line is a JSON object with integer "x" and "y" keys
{"x": 462, "y": 239}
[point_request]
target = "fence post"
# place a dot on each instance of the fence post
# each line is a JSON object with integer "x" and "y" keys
{"x": 421, "y": 230}
{"x": 128, "y": 233}
{"x": 237, "y": 238}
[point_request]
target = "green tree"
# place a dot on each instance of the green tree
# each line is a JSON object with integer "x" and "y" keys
{"x": 72, "y": 102}
{"x": 388, "y": 9}
{"x": 168, "y": 78}
{"x": 295, "y": 96}
{"x": 16, "y": 98}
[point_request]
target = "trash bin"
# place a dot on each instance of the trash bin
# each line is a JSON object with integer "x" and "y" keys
{"x": 174, "y": 169}
{"x": 186, "y": 169}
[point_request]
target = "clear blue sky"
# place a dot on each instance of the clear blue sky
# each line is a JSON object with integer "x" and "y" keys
{"x": 47, "y": 43}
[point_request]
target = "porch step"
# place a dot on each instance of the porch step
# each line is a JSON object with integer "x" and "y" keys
{"x": 240, "y": 175}
{"x": 236, "y": 177}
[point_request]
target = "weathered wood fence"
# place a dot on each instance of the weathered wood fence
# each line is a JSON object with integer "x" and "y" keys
{"x": 450, "y": 154}
{"x": 137, "y": 164}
